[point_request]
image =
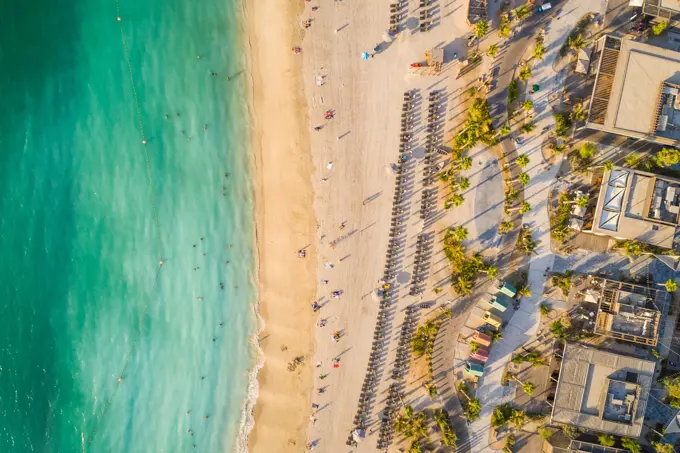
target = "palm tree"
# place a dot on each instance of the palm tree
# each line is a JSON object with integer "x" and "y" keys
{"x": 525, "y": 291}
{"x": 581, "y": 201}
{"x": 504, "y": 130}
{"x": 522, "y": 160}
{"x": 587, "y": 150}
{"x": 576, "y": 42}
{"x": 529, "y": 388}
{"x": 631, "y": 444}
{"x": 609, "y": 165}
{"x": 460, "y": 234}
{"x": 522, "y": 12}
{"x": 536, "y": 361}
{"x": 523, "y": 208}
{"x": 545, "y": 309}
{"x": 415, "y": 447}
{"x": 492, "y": 50}
{"x": 474, "y": 347}
{"x": 578, "y": 113}
{"x": 505, "y": 227}
{"x": 606, "y": 440}
{"x": 525, "y": 72}
{"x": 539, "y": 51}
{"x": 462, "y": 387}
{"x": 671, "y": 286}
{"x": 432, "y": 391}
{"x": 632, "y": 249}
{"x": 492, "y": 272}
{"x": 474, "y": 407}
{"x": 663, "y": 447}
{"x": 450, "y": 438}
{"x": 511, "y": 194}
{"x": 464, "y": 183}
{"x": 518, "y": 418}
{"x": 462, "y": 286}
{"x": 496, "y": 335}
{"x": 528, "y": 105}
{"x": 527, "y": 128}
{"x": 481, "y": 28}
{"x": 454, "y": 200}
{"x": 526, "y": 242}
{"x": 465, "y": 163}
{"x": 524, "y": 178}
{"x": 632, "y": 159}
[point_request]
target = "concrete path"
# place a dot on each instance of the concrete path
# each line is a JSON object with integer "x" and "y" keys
{"x": 525, "y": 322}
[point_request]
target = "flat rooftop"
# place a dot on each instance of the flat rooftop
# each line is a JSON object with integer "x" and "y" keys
{"x": 629, "y": 312}
{"x": 665, "y": 9}
{"x": 602, "y": 391}
{"x": 626, "y": 97}
{"x": 670, "y": 4}
{"x": 639, "y": 205}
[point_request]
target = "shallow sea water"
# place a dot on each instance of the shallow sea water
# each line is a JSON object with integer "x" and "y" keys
{"x": 87, "y": 211}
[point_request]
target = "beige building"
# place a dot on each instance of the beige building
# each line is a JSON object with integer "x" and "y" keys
{"x": 638, "y": 205}
{"x": 668, "y": 10}
{"x": 636, "y": 91}
{"x": 629, "y": 312}
{"x": 602, "y": 391}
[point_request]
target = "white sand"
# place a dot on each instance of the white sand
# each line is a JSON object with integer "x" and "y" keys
{"x": 367, "y": 98}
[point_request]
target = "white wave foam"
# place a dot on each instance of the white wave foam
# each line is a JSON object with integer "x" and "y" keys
{"x": 247, "y": 418}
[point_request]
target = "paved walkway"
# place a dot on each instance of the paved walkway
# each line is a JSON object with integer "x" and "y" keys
{"x": 525, "y": 321}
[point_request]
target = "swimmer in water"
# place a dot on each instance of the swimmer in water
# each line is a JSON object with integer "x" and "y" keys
{"x": 167, "y": 117}
{"x": 205, "y": 127}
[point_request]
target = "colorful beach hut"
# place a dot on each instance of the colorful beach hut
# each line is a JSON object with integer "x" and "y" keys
{"x": 492, "y": 319}
{"x": 482, "y": 338}
{"x": 481, "y": 355}
{"x": 498, "y": 304}
{"x": 507, "y": 289}
{"x": 474, "y": 369}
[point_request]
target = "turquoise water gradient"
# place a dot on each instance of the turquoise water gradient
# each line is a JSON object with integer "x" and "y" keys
{"x": 83, "y": 300}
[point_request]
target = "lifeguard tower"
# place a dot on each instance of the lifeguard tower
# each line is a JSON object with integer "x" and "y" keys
{"x": 435, "y": 60}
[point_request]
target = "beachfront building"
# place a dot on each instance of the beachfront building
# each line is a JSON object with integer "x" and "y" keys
{"x": 476, "y": 11}
{"x": 602, "y": 391}
{"x": 629, "y": 99}
{"x": 668, "y": 10}
{"x": 638, "y": 205}
{"x": 560, "y": 443}
{"x": 628, "y": 312}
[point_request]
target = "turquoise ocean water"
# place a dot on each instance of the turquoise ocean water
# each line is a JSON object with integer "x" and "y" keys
{"x": 87, "y": 211}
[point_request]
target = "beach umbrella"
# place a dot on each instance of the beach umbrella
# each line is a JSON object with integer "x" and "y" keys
{"x": 365, "y": 56}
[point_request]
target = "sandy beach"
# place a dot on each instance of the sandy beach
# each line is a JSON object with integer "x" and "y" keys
{"x": 343, "y": 171}
{"x": 354, "y": 188}
{"x": 285, "y": 224}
